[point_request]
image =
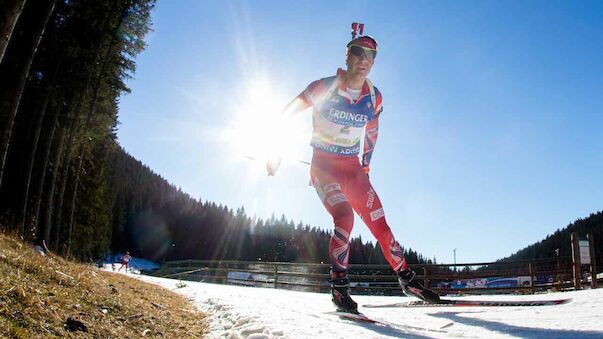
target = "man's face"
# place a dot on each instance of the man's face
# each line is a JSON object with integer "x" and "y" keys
{"x": 359, "y": 64}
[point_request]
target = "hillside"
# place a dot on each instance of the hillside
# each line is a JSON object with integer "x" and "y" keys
{"x": 50, "y": 297}
{"x": 561, "y": 240}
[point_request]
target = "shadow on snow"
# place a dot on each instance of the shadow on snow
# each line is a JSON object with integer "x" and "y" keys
{"x": 521, "y": 331}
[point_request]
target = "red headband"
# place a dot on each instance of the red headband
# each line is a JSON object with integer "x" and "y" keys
{"x": 364, "y": 41}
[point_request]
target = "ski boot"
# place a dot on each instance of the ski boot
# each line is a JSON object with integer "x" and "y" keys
{"x": 412, "y": 287}
{"x": 340, "y": 292}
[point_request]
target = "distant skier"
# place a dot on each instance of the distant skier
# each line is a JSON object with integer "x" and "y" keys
{"x": 344, "y": 107}
{"x": 125, "y": 261}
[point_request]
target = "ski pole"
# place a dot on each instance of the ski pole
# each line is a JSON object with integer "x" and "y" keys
{"x": 254, "y": 158}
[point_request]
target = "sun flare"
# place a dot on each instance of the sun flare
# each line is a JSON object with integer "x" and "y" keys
{"x": 260, "y": 131}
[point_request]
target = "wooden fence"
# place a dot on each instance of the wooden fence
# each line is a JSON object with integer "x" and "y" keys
{"x": 479, "y": 278}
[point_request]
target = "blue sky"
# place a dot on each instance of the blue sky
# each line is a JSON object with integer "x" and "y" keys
{"x": 492, "y": 131}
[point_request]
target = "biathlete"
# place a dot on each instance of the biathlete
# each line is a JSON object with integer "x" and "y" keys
{"x": 125, "y": 261}
{"x": 345, "y": 107}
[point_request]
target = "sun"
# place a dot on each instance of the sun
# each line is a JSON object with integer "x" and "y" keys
{"x": 259, "y": 130}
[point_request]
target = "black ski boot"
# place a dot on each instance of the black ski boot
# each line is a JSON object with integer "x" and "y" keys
{"x": 412, "y": 287}
{"x": 340, "y": 292}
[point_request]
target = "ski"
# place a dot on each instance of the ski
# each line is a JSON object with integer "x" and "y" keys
{"x": 473, "y": 303}
{"x": 362, "y": 318}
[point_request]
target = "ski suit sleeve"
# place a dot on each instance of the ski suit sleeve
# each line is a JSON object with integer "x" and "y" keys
{"x": 371, "y": 133}
{"x": 313, "y": 94}
{"x": 305, "y": 99}
{"x": 298, "y": 104}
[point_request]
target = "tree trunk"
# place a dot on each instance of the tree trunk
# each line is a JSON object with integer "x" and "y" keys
{"x": 9, "y": 14}
{"x": 63, "y": 184}
{"x": 76, "y": 185}
{"x": 31, "y": 161}
{"x": 73, "y": 129}
{"x": 55, "y": 166}
{"x": 43, "y": 169}
{"x": 15, "y": 68}
{"x": 50, "y": 87}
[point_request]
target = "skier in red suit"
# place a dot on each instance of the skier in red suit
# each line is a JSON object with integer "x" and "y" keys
{"x": 347, "y": 107}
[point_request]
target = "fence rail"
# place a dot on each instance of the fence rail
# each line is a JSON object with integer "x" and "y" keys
{"x": 525, "y": 276}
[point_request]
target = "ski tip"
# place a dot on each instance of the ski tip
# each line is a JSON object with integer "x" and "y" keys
{"x": 359, "y": 317}
{"x": 344, "y": 313}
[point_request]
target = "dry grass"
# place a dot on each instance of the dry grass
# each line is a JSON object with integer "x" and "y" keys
{"x": 38, "y": 294}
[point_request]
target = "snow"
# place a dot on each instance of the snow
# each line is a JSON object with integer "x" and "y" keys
{"x": 253, "y": 312}
{"x": 40, "y": 250}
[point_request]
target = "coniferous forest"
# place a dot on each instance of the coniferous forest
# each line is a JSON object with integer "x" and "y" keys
{"x": 63, "y": 67}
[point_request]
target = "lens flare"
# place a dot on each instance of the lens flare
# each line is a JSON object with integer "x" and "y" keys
{"x": 260, "y": 131}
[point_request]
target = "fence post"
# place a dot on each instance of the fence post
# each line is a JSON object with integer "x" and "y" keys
{"x": 226, "y": 275}
{"x": 531, "y": 269}
{"x": 275, "y": 275}
{"x": 593, "y": 261}
{"x": 425, "y": 277}
{"x": 576, "y": 261}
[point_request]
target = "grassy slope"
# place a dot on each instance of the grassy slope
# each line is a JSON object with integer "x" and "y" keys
{"x": 39, "y": 293}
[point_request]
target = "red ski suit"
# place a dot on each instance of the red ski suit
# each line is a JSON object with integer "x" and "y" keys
{"x": 341, "y": 181}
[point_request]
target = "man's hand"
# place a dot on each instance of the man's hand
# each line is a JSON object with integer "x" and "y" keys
{"x": 272, "y": 165}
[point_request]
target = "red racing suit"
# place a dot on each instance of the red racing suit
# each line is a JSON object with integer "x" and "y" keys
{"x": 339, "y": 178}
